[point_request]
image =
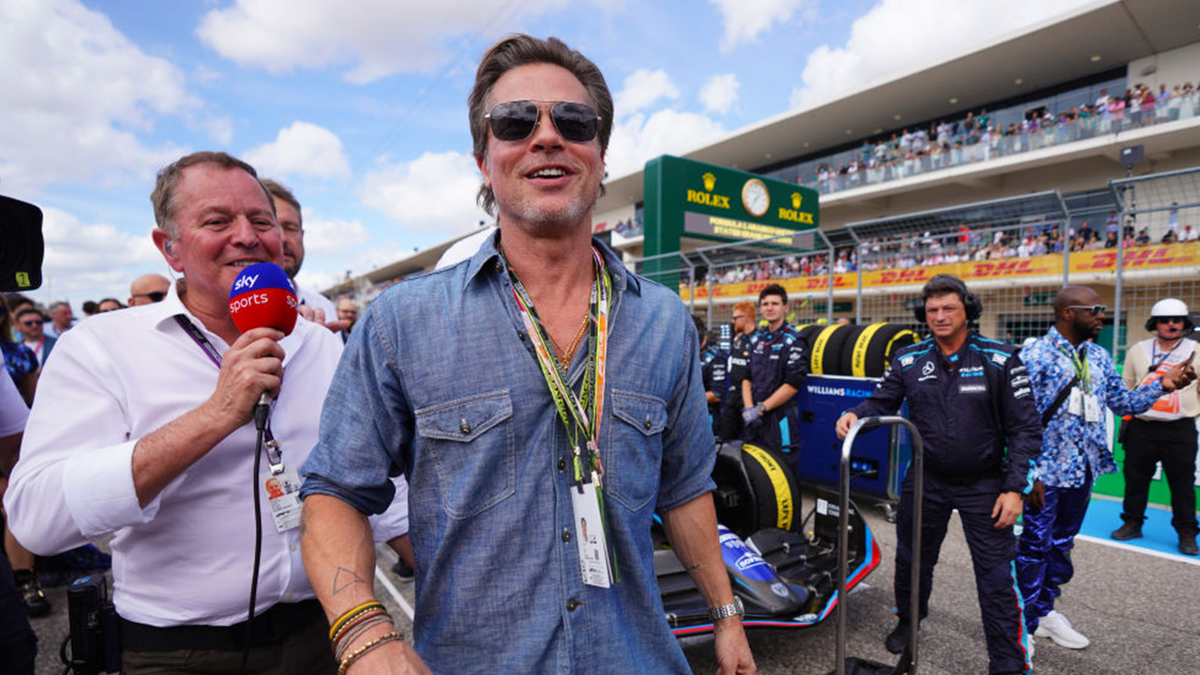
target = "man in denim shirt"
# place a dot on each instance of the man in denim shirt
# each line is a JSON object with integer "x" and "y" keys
{"x": 491, "y": 455}
{"x": 1074, "y": 449}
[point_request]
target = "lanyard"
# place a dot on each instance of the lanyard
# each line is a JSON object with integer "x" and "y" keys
{"x": 1154, "y": 362}
{"x": 573, "y": 409}
{"x": 274, "y": 454}
{"x": 1081, "y": 369}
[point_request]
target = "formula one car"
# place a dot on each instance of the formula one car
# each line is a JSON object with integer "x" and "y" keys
{"x": 785, "y": 578}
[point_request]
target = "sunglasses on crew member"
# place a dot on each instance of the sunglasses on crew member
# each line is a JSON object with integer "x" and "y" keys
{"x": 516, "y": 120}
{"x": 155, "y": 296}
{"x": 1170, "y": 319}
{"x": 1094, "y": 310}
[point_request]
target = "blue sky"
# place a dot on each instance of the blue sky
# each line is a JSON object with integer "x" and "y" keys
{"x": 359, "y": 105}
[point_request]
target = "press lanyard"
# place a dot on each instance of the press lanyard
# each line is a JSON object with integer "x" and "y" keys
{"x": 274, "y": 455}
{"x": 1154, "y": 362}
{"x": 1081, "y": 368}
{"x": 573, "y": 409}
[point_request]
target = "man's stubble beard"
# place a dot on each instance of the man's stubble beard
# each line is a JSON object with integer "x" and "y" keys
{"x": 548, "y": 222}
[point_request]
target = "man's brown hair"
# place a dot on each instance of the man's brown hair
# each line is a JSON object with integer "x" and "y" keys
{"x": 277, "y": 190}
{"x": 521, "y": 50}
{"x": 163, "y": 197}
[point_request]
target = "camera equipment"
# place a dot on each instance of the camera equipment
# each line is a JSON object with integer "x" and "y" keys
{"x": 21, "y": 245}
{"x": 95, "y": 630}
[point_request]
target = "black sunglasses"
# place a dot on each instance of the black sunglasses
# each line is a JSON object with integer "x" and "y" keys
{"x": 516, "y": 120}
{"x": 155, "y": 296}
{"x": 31, "y": 322}
{"x": 1172, "y": 319}
{"x": 1095, "y": 310}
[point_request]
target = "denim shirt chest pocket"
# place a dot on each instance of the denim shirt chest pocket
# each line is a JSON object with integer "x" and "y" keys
{"x": 470, "y": 441}
{"x": 632, "y": 455}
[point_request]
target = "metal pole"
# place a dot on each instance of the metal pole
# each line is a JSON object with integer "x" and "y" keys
{"x": 1119, "y": 289}
{"x": 917, "y": 465}
{"x": 829, "y": 295}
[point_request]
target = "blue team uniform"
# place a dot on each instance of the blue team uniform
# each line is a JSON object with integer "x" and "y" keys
{"x": 714, "y": 364}
{"x": 774, "y": 359}
{"x": 968, "y": 407}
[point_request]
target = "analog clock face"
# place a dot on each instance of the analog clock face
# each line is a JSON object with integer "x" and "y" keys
{"x": 755, "y": 197}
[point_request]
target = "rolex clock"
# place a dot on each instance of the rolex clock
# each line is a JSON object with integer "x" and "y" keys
{"x": 755, "y": 197}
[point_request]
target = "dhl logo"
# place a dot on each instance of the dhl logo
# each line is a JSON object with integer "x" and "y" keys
{"x": 1146, "y": 257}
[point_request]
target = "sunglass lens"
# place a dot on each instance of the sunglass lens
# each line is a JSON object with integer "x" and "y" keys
{"x": 156, "y": 296}
{"x": 513, "y": 120}
{"x": 577, "y": 122}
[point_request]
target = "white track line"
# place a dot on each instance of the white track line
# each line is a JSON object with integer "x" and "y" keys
{"x": 382, "y": 578}
{"x": 1138, "y": 549}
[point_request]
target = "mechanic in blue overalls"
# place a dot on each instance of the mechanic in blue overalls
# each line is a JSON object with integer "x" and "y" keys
{"x": 776, "y": 370}
{"x": 729, "y": 427}
{"x": 713, "y": 364}
{"x": 969, "y": 397}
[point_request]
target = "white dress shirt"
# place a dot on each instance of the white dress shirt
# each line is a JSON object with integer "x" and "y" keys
{"x": 13, "y": 411}
{"x": 186, "y": 558}
{"x": 316, "y": 301}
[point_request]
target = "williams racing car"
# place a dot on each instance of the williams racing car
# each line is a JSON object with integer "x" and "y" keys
{"x": 784, "y": 576}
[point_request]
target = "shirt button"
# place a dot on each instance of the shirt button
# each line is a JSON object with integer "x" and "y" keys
{"x": 287, "y": 596}
{"x": 292, "y": 548}
{"x": 464, "y": 427}
{"x": 573, "y": 605}
{"x": 566, "y": 536}
{"x": 647, "y": 424}
{"x": 562, "y": 464}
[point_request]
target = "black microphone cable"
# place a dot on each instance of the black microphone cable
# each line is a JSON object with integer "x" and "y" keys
{"x": 261, "y": 411}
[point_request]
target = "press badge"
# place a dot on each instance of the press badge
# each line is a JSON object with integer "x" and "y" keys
{"x": 283, "y": 494}
{"x": 1075, "y": 402}
{"x": 590, "y": 539}
{"x": 1091, "y": 408}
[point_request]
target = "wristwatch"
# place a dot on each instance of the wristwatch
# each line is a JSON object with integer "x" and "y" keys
{"x": 762, "y": 408}
{"x": 734, "y": 608}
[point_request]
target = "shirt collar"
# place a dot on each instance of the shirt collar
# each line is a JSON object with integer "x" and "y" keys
{"x": 489, "y": 255}
{"x": 1057, "y": 339}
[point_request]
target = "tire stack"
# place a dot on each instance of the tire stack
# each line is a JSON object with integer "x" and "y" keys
{"x": 858, "y": 351}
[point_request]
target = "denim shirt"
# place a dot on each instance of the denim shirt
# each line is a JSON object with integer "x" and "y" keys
{"x": 439, "y": 381}
{"x": 1071, "y": 445}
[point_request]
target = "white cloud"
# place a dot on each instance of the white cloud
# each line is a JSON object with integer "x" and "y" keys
{"x": 640, "y": 138}
{"x": 720, "y": 93}
{"x": 745, "y": 20}
{"x": 220, "y": 129}
{"x": 330, "y": 237}
{"x": 77, "y": 93}
{"x": 898, "y": 36}
{"x": 91, "y": 261}
{"x": 375, "y": 38}
{"x": 433, "y": 193}
{"x": 642, "y": 89}
{"x": 303, "y": 149}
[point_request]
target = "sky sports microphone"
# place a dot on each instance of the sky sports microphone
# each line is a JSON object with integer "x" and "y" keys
{"x": 262, "y": 296}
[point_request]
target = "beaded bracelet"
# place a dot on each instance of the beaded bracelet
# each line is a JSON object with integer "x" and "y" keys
{"x": 358, "y": 631}
{"x": 350, "y": 614}
{"x": 356, "y": 619}
{"x": 358, "y": 653}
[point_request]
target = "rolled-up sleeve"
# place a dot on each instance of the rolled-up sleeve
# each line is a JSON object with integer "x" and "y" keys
{"x": 74, "y": 480}
{"x": 689, "y": 450}
{"x": 365, "y": 421}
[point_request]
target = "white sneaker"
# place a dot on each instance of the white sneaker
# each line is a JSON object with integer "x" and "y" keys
{"x": 1056, "y": 627}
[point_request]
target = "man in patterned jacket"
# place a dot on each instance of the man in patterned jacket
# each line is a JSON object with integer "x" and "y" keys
{"x": 1073, "y": 380}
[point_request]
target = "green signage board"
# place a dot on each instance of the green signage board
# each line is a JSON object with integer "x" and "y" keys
{"x": 686, "y": 198}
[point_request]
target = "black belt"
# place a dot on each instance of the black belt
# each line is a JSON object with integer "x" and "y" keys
{"x": 962, "y": 481}
{"x": 270, "y": 627}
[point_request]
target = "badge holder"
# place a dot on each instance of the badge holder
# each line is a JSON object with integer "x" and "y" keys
{"x": 591, "y": 533}
{"x": 281, "y": 483}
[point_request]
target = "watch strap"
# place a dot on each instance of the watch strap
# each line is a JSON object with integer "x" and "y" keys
{"x": 734, "y": 608}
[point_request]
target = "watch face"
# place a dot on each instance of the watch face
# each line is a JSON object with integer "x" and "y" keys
{"x": 755, "y": 197}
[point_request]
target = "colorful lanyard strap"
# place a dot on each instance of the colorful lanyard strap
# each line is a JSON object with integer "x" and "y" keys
{"x": 574, "y": 409}
{"x": 1080, "y": 364}
{"x": 274, "y": 455}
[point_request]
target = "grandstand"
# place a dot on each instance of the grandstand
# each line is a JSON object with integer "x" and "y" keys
{"x": 1005, "y": 165}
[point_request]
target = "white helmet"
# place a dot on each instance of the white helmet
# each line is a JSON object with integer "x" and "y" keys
{"x": 1169, "y": 307}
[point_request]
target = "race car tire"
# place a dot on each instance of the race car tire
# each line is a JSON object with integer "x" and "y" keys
{"x": 879, "y": 348}
{"x": 827, "y": 349}
{"x": 775, "y": 489}
{"x": 846, "y": 362}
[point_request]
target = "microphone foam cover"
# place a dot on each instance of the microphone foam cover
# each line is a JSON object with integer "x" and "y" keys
{"x": 261, "y": 296}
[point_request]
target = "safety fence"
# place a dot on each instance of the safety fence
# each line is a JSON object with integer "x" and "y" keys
{"x": 1134, "y": 243}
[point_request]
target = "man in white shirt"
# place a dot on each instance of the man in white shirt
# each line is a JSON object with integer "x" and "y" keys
{"x": 290, "y": 219}
{"x": 143, "y": 429}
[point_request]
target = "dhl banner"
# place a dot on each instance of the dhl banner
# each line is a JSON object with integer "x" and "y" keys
{"x": 1142, "y": 257}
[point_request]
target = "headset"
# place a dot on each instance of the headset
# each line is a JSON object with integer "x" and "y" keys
{"x": 970, "y": 301}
